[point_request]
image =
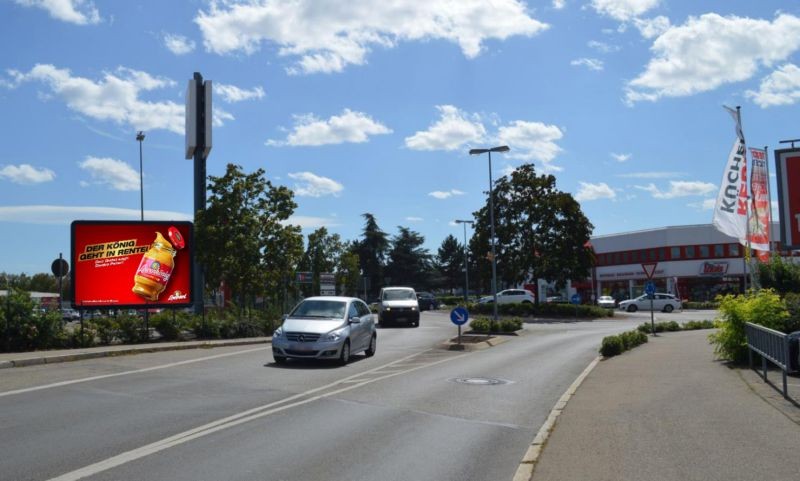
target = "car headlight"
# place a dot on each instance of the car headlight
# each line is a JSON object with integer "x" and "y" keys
{"x": 278, "y": 332}
{"x": 334, "y": 335}
{"x": 388, "y": 309}
{"x": 413, "y": 308}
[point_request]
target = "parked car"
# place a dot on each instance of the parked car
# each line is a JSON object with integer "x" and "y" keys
{"x": 427, "y": 301}
{"x": 69, "y": 314}
{"x": 398, "y": 304}
{"x": 510, "y": 296}
{"x": 325, "y": 327}
{"x": 557, "y": 299}
{"x": 606, "y": 301}
{"x": 661, "y": 302}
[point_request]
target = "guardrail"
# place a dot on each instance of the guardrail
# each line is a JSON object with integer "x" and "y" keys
{"x": 772, "y": 345}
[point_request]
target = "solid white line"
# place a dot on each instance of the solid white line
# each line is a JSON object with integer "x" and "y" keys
{"x": 125, "y": 373}
{"x": 234, "y": 420}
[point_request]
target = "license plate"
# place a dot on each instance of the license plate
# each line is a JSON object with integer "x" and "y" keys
{"x": 401, "y": 318}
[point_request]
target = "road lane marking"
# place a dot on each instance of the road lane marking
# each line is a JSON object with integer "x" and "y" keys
{"x": 126, "y": 373}
{"x": 241, "y": 418}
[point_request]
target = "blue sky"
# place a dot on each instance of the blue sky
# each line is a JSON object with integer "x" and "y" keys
{"x": 368, "y": 106}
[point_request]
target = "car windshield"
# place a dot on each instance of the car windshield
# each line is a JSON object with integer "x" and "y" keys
{"x": 319, "y": 309}
{"x": 398, "y": 295}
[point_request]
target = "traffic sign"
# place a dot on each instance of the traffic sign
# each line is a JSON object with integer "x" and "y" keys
{"x": 459, "y": 316}
{"x": 304, "y": 277}
{"x": 575, "y": 299}
{"x": 649, "y": 268}
{"x": 650, "y": 289}
{"x": 59, "y": 267}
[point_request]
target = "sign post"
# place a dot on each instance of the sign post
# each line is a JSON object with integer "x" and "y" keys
{"x": 650, "y": 290}
{"x": 60, "y": 269}
{"x": 459, "y": 316}
{"x": 575, "y": 299}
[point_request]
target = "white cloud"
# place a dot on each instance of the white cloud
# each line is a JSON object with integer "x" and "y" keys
{"x": 712, "y": 50}
{"x": 707, "y": 204}
{"x": 114, "y": 98}
{"x": 414, "y": 219}
{"x": 446, "y": 194}
{"x": 679, "y": 188}
{"x": 60, "y": 214}
{"x": 652, "y": 27}
{"x": 112, "y": 172}
{"x": 310, "y": 222}
{"x": 559, "y": 4}
{"x": 312, "y": 185}
{"x": 602, "y": 47}
{"x": 532, "y": 141}
{"x": 651, "y": 175}
{"x": 623, "y": 10}
{"x": 232, "y": 93}
{"x": 26, "y": 174}
{"x": 621, "y": 157}
{"x": 452, "y": 131}
{"x": 178, "y": 44}
{"x": 79, "y": 12}
{"x": 353, "y": 127}
{"x": 589, "y": 191}
{"x": 328, "y": 35}
{"x": 590, "y": 63}
{"x": 781, "y": 87}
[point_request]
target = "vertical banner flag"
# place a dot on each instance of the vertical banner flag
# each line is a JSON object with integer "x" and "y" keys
{"x": 760, "y": 208}
{"x": 730, "y": 211}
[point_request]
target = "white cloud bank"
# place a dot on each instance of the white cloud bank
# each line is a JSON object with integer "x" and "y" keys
{"x": 679, "y": 188}
{"x": 590, "y": 63}
{"x": 453, "y": 131}
{"x": 711, "y": 50}
{"x": 589, "y": 191}
{"x": 312, "y": 185}
{"x": 350, "y": 126}
{"x": 445, "y": 194}
{"x": 178, "y": 44}
{"x": 79, "y": 12}
{"x": 623, "y": 10}
{"x": 64, "y": 215}
{"x": 781, "y": 87}
{"x": 26, "y": 174}
{"x": 232, "y": 93}
{"x": 111, "y": 172}
{"x": 328, "y": 35}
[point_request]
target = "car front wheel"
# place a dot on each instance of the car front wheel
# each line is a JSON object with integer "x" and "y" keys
{"x": 632, "y": 308}
{"x": 344, "y": 356}
{"x": 373, "y": 345}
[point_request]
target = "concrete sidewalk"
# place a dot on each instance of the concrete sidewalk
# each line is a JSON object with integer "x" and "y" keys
{"x": 668, "y": 411}
{"x": 21, "y": 359}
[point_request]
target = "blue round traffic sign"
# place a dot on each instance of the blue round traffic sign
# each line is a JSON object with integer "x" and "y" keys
{"x": 650, "y": 289}
{"x": 575, "y": 299}
{"x": 459, "y": 316}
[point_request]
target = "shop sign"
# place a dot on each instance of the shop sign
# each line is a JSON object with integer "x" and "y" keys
{"x": 713, "y": 268}
{"x": 788, "y": 174}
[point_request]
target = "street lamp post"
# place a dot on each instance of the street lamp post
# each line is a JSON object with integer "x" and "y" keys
{"x": 466, "y": 259}
{"x": 501, "y": 148}
{"x": 140, "y": 138}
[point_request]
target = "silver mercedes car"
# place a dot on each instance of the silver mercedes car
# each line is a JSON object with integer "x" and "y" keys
{"x": 326, "y": 327}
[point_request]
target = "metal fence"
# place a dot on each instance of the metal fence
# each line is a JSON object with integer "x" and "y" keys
{"x": 772, "y": 345}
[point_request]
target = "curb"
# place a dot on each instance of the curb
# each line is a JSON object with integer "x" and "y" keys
{"x": 475, "y": 346}
{"x": 35, "y": 361}
{"x": 526, "y": 466}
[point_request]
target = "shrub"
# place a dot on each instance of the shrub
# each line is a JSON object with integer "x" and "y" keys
{"x": 696, "y": 325}
{"x": 701, "y": 305}
{"x": 792, "y": 300}
{"x": 106, "y": 329}
{"x": 611, "y": 346}
{"x": 510, "y": 325}
{"x": 129, "y": 328}
{"x": 764, "y": 307}
{"x": 631, "y": 339}
{"x": 552, "y": 309}
{"x": 170, "y": 325}
{"x": 480, "y": 324}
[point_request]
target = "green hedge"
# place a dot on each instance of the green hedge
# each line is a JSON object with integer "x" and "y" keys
{"x": 672, "y": 326}
{"x": 615, "y": 345}
{"x": 551, "y": 310}
{"x": 484, "y": 324}
{"x": 701, "y": 305}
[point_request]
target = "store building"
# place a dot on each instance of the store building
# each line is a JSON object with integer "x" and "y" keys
{"x": 695, "y": 262}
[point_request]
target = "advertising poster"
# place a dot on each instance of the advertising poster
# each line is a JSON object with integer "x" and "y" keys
{"x": 132, "y": 264}
{"x": 787, "y": 162}
{"x": 760, "y": 208}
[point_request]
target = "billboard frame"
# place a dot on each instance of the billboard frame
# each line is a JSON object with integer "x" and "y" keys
{"x": 784, "y": 196}
{"x": 146, "y": 305}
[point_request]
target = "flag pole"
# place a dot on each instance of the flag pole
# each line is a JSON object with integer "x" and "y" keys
{"x": 746, "y": 258}
{"x": 769, "y": 200}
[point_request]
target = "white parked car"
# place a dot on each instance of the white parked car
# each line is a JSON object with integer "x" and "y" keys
{"x": 661, "y": 302}
{"x": 606, "y": 301}
{"x": 510, "y": 296}
{"x": 398, "y": 304}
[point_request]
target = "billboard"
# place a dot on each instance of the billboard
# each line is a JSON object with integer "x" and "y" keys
{"x": 132, "y": 264}
{"x": 787, "y": 162}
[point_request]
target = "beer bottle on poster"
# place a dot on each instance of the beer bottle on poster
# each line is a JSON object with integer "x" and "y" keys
{"x": 157, "y": 264}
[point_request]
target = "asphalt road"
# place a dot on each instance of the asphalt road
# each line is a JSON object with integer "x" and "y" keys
{"x": 230, "y": 413}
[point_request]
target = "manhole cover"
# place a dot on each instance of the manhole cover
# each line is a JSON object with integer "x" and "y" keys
{"x": 479, "y": 381}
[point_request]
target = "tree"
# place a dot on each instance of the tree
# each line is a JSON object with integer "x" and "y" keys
{"x": 242, "y": 230}
{"x": 348, "y": 273}
{"x": 450, "y": 262}
{"x": 371, "y": 250}
{"x": 409, "y": 263}
{"x": 322, "y": 255}
{"x": 541, "y": 232}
